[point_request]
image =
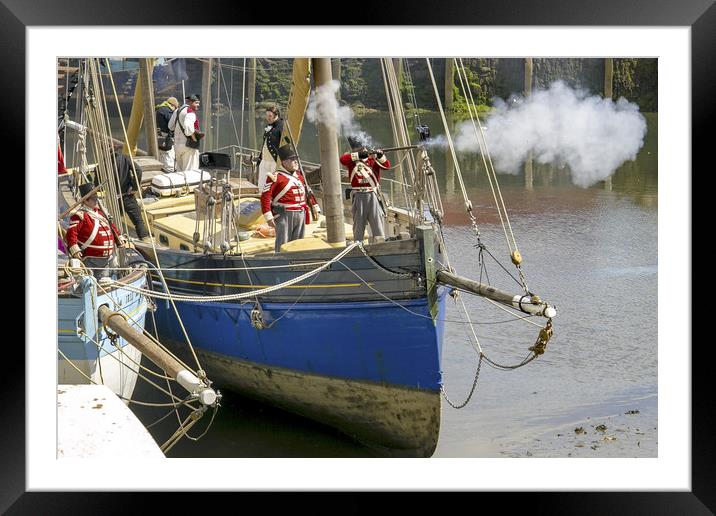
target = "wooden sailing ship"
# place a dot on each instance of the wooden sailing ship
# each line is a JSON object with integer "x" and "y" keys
{"x": 347, "y": 333}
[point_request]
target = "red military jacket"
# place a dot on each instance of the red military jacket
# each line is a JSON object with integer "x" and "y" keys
{"x": 285, "y": 189}
{"x": 364, "y": 173}
{"x": 91, "y": 233}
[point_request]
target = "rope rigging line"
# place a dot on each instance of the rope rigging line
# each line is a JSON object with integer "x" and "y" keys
{"x": 146, "y": 221}
{"x": 146, "y": 333}
{"x": 483, "y": 151}
{"x": 392, "y": 106}
{"x": 137, "y": 372}
{"x": 367, "y": 284}
{"x": 213, "y": 269}
{"x": 515, "y": 255}
{"x": 468, "y": 204}
{"x": 267, "y": 290}
{"x": 219, "y": 78}
{"x": 491, "y": 168}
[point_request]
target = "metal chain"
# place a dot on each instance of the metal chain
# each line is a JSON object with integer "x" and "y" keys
{"x": 502, "y": 367}
{"x": 472, "y": 390}
{"x": 535, "y": 351}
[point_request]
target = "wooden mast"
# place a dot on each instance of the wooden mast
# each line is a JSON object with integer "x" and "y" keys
{"x": 336, "y": 69}
{"x": 449, "y": 83}
{"x": 330, "y": 174}
{"x": 608, "y": 92}
{"x": 206, "y": 102}
{"x": 529, "y": 173}
{"x": 251, "y": 107}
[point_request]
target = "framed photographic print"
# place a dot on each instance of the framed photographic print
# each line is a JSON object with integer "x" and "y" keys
{"x": 352, "y": 239}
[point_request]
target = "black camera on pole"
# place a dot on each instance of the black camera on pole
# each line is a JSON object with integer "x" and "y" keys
{"x": 214, "y": 161}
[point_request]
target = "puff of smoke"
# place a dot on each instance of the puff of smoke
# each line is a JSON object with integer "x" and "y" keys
{"x": 590, "y": 134}
{"x": 323, "y": 107}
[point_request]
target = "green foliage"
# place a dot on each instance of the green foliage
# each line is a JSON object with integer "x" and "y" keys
{"x": 636, "y": 81}
{"x": 362, "y": 80}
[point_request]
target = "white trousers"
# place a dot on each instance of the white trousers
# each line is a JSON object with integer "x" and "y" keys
{"x": 187, "y": 158}
{"x": 167, "y": 158}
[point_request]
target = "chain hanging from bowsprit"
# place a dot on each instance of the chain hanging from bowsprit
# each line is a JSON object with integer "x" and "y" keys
{"x": 537, "y": 349}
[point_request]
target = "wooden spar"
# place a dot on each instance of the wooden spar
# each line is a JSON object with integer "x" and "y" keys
{"x": 205, "y": 126}
{"x": 117, "y": 323}
{"x": 330, "y": 175}
{"x": 251, "y": 107}
{"x": 449, "y": 82}
{"x": 608, "y": 77}
{"x": 398, "y": 66}
{"x": 77, "y": 127}
{"x": 85, "y": 197}
{"x": 523, "y": 303}
{"x": 608, "y": 92}
{"x": 336, "y": 70}
{"x": 146, "y": 68}
{"x": 529, "y": 174}
{"x": 528, "y": 76}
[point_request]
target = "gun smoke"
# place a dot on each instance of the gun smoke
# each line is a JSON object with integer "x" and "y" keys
{"x": 590, "y": 134}
{"x": 323, "y": 107}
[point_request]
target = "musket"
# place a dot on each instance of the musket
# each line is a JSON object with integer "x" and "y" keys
{"x": 373, "y": 151}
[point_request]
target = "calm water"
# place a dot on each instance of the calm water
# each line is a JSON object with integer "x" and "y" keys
{"x": 591, "y": 252}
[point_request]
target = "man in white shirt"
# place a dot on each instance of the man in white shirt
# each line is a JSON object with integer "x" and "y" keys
{"x": 185, "y": 124}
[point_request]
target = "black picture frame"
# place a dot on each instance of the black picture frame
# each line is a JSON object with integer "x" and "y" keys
{"x": 699, "y": 15}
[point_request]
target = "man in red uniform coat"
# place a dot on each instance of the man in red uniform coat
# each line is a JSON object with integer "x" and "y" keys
{"x": 90, "y": 236}
{"x": 364, "y": 174}
{"x": 283, "y": 199}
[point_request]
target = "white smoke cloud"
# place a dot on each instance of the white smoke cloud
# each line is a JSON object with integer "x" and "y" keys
{"x": 590, "y": 134}
{"x": 323, "y": 107}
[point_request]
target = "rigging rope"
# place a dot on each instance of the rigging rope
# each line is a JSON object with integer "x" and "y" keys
{"x": 468, "y": 204}
{"x": 146, "y": 221}
{"x": 515, "y": 255}
{"x": 230, "y": 297}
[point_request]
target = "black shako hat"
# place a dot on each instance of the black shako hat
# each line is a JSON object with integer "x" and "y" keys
{"x": 192, "y": 98}
{"x": 355, "y": 142}
{"x": 85, "y": 189}
{"x": 286, "y": 152}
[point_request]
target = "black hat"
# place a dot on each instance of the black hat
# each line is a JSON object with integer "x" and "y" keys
{"x": 355, "y": 142}
{"x": 193, "y": 98}
{"x": 286, "y": 152}
{"x": 85, "y": 189}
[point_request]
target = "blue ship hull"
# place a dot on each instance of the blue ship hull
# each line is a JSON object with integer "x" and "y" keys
{"x": 368, "y": 341}
{"x": 363, "y": 355}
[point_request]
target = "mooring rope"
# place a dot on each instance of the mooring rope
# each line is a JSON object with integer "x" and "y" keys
{"x": 244, "y": 295}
